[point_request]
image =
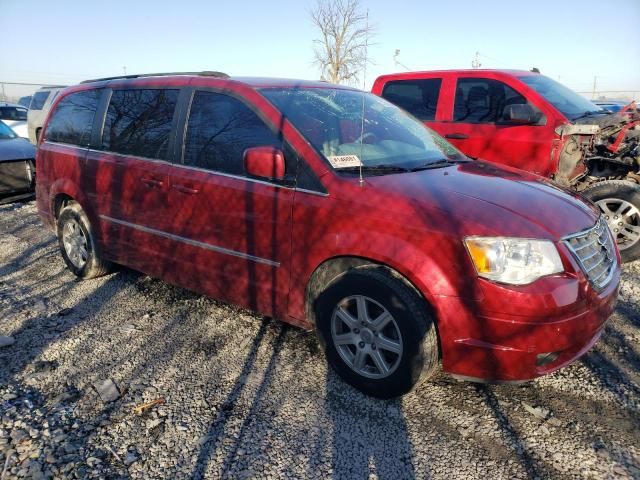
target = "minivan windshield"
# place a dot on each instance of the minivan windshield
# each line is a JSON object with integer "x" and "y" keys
{"x": 571, "y": 104}
{"x": 385, "y": 139}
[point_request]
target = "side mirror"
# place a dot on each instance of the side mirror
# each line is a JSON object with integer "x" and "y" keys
{"x": 520, "y": 114}
{"x": 264, "y": 162}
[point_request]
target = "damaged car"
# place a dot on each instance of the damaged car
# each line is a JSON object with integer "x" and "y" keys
{"x": 17, "y": 162}
{"x": 531, "y": 122}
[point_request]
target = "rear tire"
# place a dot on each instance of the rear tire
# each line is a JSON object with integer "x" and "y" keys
{"x": 619, "y": 202}
{"x": 376, "y": 332}
{"x": 78, "y": 245}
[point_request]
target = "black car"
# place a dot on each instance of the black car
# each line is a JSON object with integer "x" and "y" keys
{"x": 17, "y": 162}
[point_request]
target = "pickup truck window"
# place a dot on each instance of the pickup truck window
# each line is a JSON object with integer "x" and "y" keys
{"x": 418, "y": 97}
{"x": 570, "y": 104}
{"x": 483, "y": 100}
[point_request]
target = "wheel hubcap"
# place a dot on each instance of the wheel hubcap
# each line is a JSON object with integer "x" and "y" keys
{"x": 75, "y": 243}
{"x": 366, "y": 336}
{"x": 623, "y": 219}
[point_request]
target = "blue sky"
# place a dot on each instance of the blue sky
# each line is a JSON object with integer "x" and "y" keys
{"x": 67, "y": 41}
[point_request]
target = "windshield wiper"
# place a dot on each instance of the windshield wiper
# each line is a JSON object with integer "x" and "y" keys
{"x": 375, "y": 169}
{"x": 444, "y": 162}
{"x": 589, "y": 113}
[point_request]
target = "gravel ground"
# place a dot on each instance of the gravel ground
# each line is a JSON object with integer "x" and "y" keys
{"x": 245, "y": 396}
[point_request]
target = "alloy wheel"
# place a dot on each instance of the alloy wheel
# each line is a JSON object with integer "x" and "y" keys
{"x": 366, "y": 337}
{"x": 75, "y": 243}
{"x": 623, "y": 219}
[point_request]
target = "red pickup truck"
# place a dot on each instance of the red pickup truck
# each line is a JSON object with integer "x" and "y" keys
{"x": 531, "y": 122}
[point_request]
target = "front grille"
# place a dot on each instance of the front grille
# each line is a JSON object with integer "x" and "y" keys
{"x": 595, "y": 251}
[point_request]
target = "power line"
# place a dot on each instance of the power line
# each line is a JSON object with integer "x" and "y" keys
{"x": 30, "y": 84}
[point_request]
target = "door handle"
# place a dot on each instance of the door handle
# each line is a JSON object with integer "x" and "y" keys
{"x": 184, "y": 189}
{"x": 152, "y": 182}
{"x": 456, "y": 136}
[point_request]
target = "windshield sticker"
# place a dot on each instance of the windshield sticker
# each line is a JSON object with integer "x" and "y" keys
{"x": 344, "y": 161}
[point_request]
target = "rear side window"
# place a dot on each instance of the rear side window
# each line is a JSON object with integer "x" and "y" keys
{"x": 220, "y": 128}
{"x": 38, "y": 99}
{"x": 418, "y": 97}
{"x": 13, "y": 113}
{"x": 483, "y": 100}
{"x": 138, "y": 122}
{"x": 72, "y": 120}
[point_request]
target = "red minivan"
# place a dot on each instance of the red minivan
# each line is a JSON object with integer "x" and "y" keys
{"x": 529, "y": 121}
{"x": 329, "y": 208}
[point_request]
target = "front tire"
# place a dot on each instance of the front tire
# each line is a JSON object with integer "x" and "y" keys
{"x": 376, "y": 332}
{"x": 78, "y": 244}
{"x": 619, "y": 202}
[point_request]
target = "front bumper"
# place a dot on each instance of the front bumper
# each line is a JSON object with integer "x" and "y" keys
{"x": 16, "y": 176}
{"x": 520, "y": 335}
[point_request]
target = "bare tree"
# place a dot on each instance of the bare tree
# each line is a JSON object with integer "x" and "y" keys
{"x": 341, "y": 52}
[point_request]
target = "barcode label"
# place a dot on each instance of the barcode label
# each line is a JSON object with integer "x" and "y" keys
{"x": 344, "y": 161}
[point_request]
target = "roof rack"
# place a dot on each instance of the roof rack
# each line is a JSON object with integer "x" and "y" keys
{"x": 124, "y": 77}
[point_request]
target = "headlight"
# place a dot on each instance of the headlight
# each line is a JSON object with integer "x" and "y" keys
{"x": 517, "y": 261}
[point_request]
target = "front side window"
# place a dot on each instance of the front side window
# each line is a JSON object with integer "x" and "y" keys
{"x": 13, "y": 113}
{"x": 332, "y": 121}
{"x": 483, "y": 100}
{"x": 418, "y": 97}
{"x": 72, "y": 120}
{"x": 220, "y": 129}
{"x": 38, "y": 99}
{"x": 138, "y": 122}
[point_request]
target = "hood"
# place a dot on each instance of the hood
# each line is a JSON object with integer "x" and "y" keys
{"x": 479, "y": 198}
{"x": 16, "y": 149}
{"x": 602, "y": 120}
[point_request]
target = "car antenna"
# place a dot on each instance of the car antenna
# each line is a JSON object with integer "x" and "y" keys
{"x": 364, "y": 82}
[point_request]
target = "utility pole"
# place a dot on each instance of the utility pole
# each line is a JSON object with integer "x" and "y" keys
{"x": 593, "y": 95}
{"x": 124, "y": 69}
{"x": 476, "y": 62}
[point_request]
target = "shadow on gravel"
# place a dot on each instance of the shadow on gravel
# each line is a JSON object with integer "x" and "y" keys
{"x": 612, "y": 378}
{"x": 33, "y": 337}
{"x": 370, "y": 436}
{"x": 512, "y": 438}
{"x": 216, "y": 429}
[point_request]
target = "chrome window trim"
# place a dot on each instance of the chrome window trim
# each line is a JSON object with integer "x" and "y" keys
{"x": 64, "y": 144}
{"x": 210, "y": 172}
{"x": 126, "y": 155}
{"x": 193, "y": 243}
{"x": 248, "y": 179}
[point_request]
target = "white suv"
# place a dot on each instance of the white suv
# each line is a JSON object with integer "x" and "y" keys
{"x": 38, "y": 108}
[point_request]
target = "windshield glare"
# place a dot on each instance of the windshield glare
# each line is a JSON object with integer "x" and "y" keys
{"x": 332, "y": 121}
{"x": 571, "y": 104}
{"x": 5, "y": 132}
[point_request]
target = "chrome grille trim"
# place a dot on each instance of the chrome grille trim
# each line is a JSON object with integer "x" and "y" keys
{"x": 594, "y": 249}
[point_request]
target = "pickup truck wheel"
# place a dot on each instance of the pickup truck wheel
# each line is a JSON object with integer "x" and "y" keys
{"x": 376, "y": 332}
{"x": 78, "y": 245}
{"x": 619, "y": 202}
